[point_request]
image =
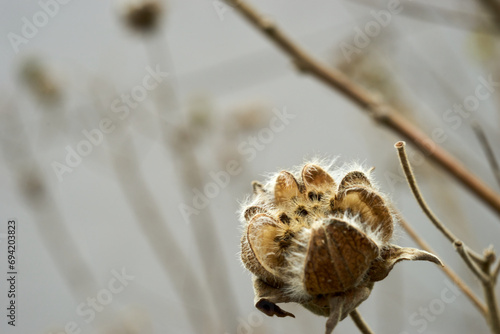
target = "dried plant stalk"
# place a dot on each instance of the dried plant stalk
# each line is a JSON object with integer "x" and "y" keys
{"x": 360, "y": 322}
{"x": 189, "y": 171}
{"x": 162, "y": 241}
{"x": 480, "y": 266}
{"x": 50, "y": 224}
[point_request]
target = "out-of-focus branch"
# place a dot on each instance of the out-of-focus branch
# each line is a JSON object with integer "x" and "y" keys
{"x": 492, "y": 6}
{"x": 428, "y": 12}
{"x": 176, "y": 265}
{"x": 481, "y": 136}
{"x": 376, "y": 108}
{"x": 178, "y": 144}
{"x": 52, "y": 228}
{"x": 360, "y": 322}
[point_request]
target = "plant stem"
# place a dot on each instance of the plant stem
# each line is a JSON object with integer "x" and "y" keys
{"x": 381, "y": 112}
{"x": 459, "y": 246}
{"x": 491, "y": 301}
{"x": 405, "y": 164}
{"x": 482, "y": 272}
{"x": 360, "y": 322}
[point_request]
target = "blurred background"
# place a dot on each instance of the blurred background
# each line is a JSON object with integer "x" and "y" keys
{"x": 131, "y": 131}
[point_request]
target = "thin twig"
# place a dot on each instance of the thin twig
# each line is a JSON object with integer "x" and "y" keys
{"x": 481, "y": 136}
{"x": 450, "y": 273}
{"x": 381, "y": 112}
{"x": 410, "y": 177}
{"x": 360, "y": 322}
{"x": 495, "y": 272}
{"x": 483, "y": 272}
{"x": 405, "y": 164}
{"x": 491, "y": 301}
{"x": 459, "y": 246}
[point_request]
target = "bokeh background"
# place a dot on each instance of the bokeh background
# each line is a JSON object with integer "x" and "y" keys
{"x": 119, "y": 208}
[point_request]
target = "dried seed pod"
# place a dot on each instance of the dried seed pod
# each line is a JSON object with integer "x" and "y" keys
{"x": 338, "y": 257}
{"x": 308, "y": 241}
{"x": 144, "y": 17}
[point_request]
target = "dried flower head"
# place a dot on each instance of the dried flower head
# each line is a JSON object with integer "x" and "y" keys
{"x": 145, "y": 16}
{"x": 40, "y": 81}
{"x": 320, "y": 241}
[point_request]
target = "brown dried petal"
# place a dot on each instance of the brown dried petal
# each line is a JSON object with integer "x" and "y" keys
{"x": 317, "y": 179}
{"x": 259, "y": 249}
{"x": 286, "y": 188}
{"x": 354, "y": 179}
{"x": 370, "y": 206}
{"x": 392, "y": 254}
{"x": 338, "y": 256}
{"x": 253, "y": 210}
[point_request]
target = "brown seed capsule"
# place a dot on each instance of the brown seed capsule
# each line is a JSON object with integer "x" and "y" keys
{"x": 338, "y": 257}
{"x": 145, "y": 16}
{"x": 308, "y": 241}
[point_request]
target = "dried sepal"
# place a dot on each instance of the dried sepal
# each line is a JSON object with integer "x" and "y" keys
{"x": 354, "y": 179}
{"x": 392, "y": 254}
{"x": 338, "y": 256}
{"x": 266, "y": 297}
{"x": 336, "y": 303}
{"x": 252, "y": 211}
{"x": 261, "y": 255}
{"x": 342, "y": 305}
{"x": 316, "y": 179}
{"x": 370, "y": 207}
{"x": 286, "y": 189}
